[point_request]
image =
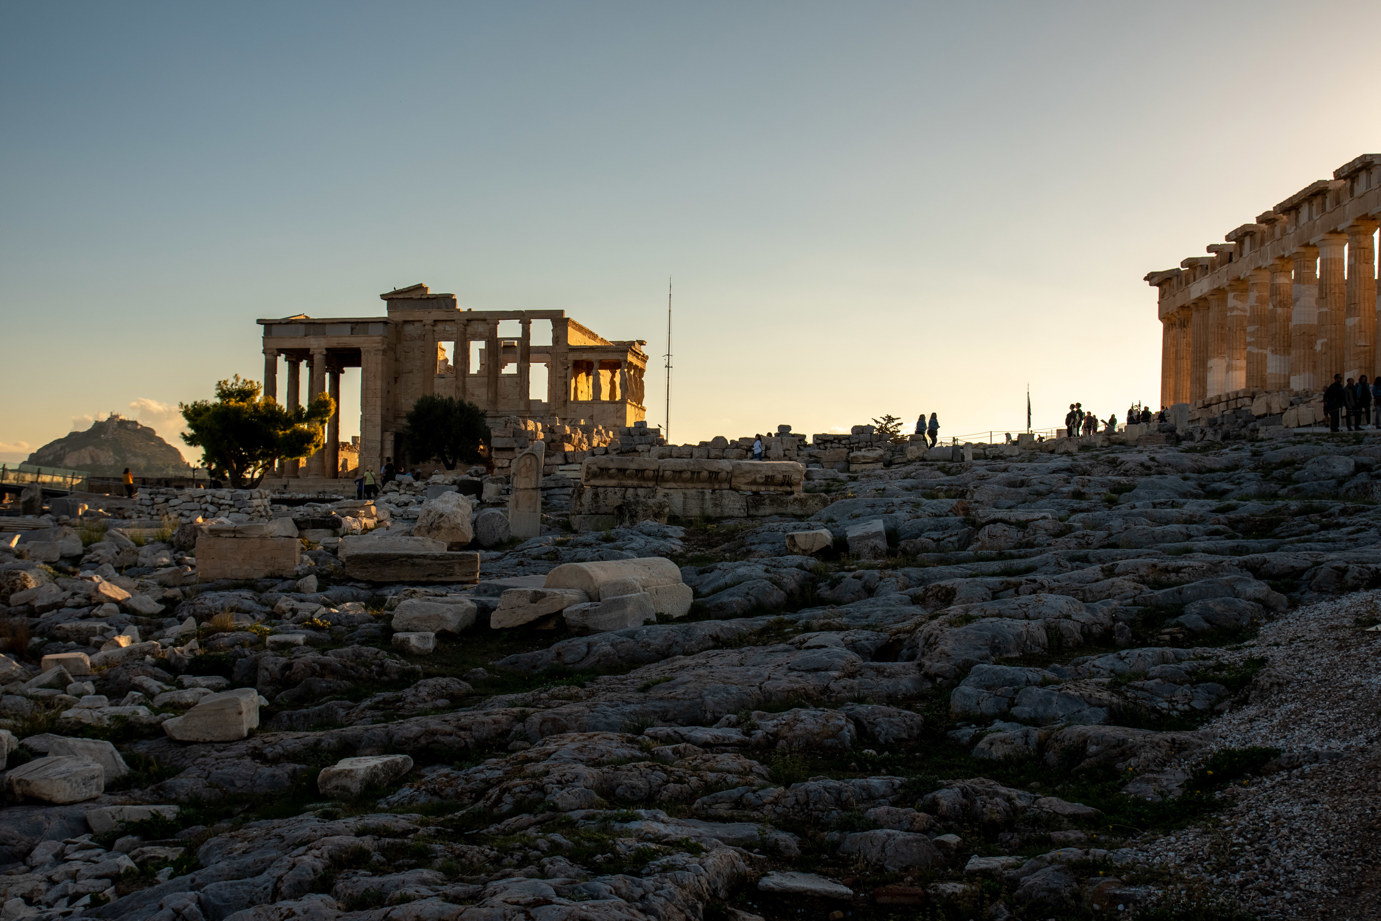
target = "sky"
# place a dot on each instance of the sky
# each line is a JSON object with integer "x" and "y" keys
{"x": 865, "y": 208}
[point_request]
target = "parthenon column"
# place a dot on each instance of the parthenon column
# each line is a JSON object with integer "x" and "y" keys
{"x": 316, "y": 464}
{"x": 371, "y": 408}
{"x": 1183, "y": 355}
{"x": 1282, "y": 305}
{"x": 461, "y": 359}
{"x": 1258, "y": 327}
{"x": 1198, "y": 351}
{"x": 332, "y": 450}
{"x": 1332, "y": 305}
{"x": 1168, "y": 362}
{"x": 1361, "y": 299}
{"x": 271, "y": 374}
{"x": 493, "y": 355}
{"x": 1236, "y": 331}
{"x": 429, "y": 363}
{"x": 1304, "y": 320}
{"x": 525, "y": 367}
{"x": 293, "y": 399}
{"x": 1217, "y": 343}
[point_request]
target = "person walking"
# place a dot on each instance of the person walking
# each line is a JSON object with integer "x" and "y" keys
{"x": 1350, "y": 408}
{"x": 1333, "y": 402}
{"x": 934, "y": 429}
{"x": 370, "y": 489}
{"x": 129, "y": 484}
{"x": 1364, "y": 400}
{"x": 1071, "y": 421}
{"x": 920, "y": 424}
{"x": 757, "y": 447}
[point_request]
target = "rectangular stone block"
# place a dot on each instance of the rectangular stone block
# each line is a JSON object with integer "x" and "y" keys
{"x": 676, "y": 473}
{"x": 619, "y": 471}
{"x": 247, "y": 557}
{"x": 769, "y": 476}
{"x": 418, "y": 566}
{"x": 704, "y": 503}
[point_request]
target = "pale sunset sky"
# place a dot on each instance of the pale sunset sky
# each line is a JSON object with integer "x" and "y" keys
{"x": 866, "y": 207}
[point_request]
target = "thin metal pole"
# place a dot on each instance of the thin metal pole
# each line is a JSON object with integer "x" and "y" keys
{"x": 668, "y": 363}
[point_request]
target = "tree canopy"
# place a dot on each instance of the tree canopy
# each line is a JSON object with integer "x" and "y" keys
{"x": 446, "y": 429}
{"x": 242, "y": 435}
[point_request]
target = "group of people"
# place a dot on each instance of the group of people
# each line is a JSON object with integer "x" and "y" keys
{"x": 367, "y": 485}
{"x": 1078, "y": 422}
{"x": 1351, "y": 402}
{"x": 1140, "y": 415}
{"x": 930, "y": 429}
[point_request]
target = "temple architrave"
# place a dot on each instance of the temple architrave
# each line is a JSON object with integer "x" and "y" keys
{"x": 403, "y": 356}
{"x": 1287, "y": 302}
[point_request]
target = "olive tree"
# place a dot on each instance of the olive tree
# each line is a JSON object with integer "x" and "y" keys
{"x": 445, "y": 429}
{"x": 242, "y": 435}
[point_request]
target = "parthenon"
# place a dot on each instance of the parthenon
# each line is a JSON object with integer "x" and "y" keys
{"x": 1285, "y": 303}
{"x": 492, "y": 353}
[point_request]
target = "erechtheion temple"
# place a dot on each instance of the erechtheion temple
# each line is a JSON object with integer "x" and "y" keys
{"x": 426, "y": 345}
{"x": 1287, "y": 302}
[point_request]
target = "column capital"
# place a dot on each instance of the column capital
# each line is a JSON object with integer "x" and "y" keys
{"x": 1363, "y": 227}
{"x": 270, "y": 352}
{"x": 1333, "y": 240}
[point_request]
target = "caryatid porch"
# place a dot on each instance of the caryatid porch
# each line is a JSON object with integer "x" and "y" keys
{"x": 427, "y": 345}
{"x": 1287, "y": 302}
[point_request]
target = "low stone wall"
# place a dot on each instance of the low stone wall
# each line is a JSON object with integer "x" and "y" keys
{"x": 190, "y": 504}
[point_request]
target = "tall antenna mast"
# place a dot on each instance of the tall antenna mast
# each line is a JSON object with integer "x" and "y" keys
{"x": 668, "y": 362}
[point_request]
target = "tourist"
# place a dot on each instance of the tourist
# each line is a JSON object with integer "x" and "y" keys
{"x": 1350, "y": 408}
{"x": 1090, "y": 423}
{"x": 1112, "y": 424}
{"x": 1364, "y": 399}
{"x": 920, "y": 424}
{"x": 389, "y": 472}
{"x": 1333, "y": 401}
{"x": 370, "y": 489}
{"x": 129, "y": 484}
{"x": 1071, "y": 421}
{"x": 1376, "y": 401}
{"x": 757, "y": 447}
{"x": 934, "y": 429}
{"x": 359, "y": 487}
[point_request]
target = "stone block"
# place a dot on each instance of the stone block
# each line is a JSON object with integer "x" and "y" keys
{"x": 587, "y": 577}
{"x": 351, "y": 777}
{"x": 434, "y": 615}
{"x": 253, "y": 530}
{"x": 519, "y": 606}
{"x": 868, "y": 540}
{"x": 104, "y": 819}
{"x": 693, "y": 473}
{"x": 222, "y": 717}
{"x": 492, "y": 528}
{"x": 406, "y": 559}
{"x": 448, "y": 518}
{"x": 415, "y": 643}
{"x": 437, "y": 489}
{"x": 67, "y": 507}
{"x": 618, "y": 613}
{"x": 672, "y": 600}
{"x": 809, "y": 543}
{"x": 130, "y": 653}
{"x": 221, "y": 557}
{"x": 76, "y": 663}
{"x": 97, "y": 750}
{"x": 704, "y": 503}
{"x": 771, "y": 504}
{"x": 57, "y": 779}
{"x": 768, "y": 476}
{"x": 619, "y": 470}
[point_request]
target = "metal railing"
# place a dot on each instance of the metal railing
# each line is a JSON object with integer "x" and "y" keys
{"x": 53, "y": 477}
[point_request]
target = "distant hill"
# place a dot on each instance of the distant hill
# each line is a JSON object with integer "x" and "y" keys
{"x": 108, "y": 447}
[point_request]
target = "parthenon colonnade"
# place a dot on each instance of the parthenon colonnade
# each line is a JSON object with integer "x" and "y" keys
{"x": 1287, "y": 302}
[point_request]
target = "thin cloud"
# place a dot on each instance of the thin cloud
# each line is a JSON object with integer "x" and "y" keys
{"x": 15, "y": 447}
{"x": 83, "y": 422}
{"x": 163, "y": 418}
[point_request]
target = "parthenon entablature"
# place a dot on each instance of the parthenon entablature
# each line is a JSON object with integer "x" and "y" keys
{"x": 1285, "y": 303}
{"x": 427, "y": 345}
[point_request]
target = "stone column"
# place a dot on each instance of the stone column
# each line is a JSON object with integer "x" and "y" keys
{"x": 333, "y": 427}
{"x": 461, "y": 361}
{"x": 293, "y": 401}
{"x": 596, "y": 385}
{"x": 1281, "y": 307}
{"x": 559, "y": 372}
{"x": 429, "y": 364}
{"x": 1217, "y": 342}
{"x": 271, "y": 374}
{"x": 1258, "y": 327}
{"x": 1198, "y": 351}
{"x": 1304, "y": 321}
{"x": 1361, "y": 299}
{"x": 1332, "y": 306}
{"x": 1236, "y": 337}
{"x": 372, "y": 408}
{"x": 316, "y": 464}
{"x": 493, "y": 356}
{"x": 1183, "y": 350}
{"x": 1168, "y": 363}
{"x": 525, "y": 367}
{"x": 623, "y": 381}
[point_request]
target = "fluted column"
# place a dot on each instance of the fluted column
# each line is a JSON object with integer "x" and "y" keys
{"x": 1304, "y": 322}
{"x": 1361, "y": 299}
{"x": 1183, "y": 356}
{"x": 429, "y": 365}
{"x": 1332, "y": 305}
{"x": 1236, "y": 337}
{"x": 1198, "y": 351}
{"x": 493, "y": 355}
{"x": 1281, "y": 307}
{"x": 371, "y": 408}
{"x": 1217, "y": 342}
{"x": 525, "y": 367}
{"x": 332, "y": 449}
{"x": 1258, "y": 327}
{"x": 316, "y": 464}
{"x": 461, "y": 361}
{"x": 1168, "y": 363}
{"x": 293, "y": 399}
{"x": 271, "y": 374}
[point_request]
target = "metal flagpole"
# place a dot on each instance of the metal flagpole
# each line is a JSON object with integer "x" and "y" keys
{"x": 667, "y": 434}
{"x": 1028, "y": 409}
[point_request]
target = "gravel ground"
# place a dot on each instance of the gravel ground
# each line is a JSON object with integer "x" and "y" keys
{"x": 1304, "y": 841}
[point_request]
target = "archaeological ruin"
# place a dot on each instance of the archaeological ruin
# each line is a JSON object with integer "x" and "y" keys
{"x": 426, "y": 344}
{"x": 1287, "y": 302}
